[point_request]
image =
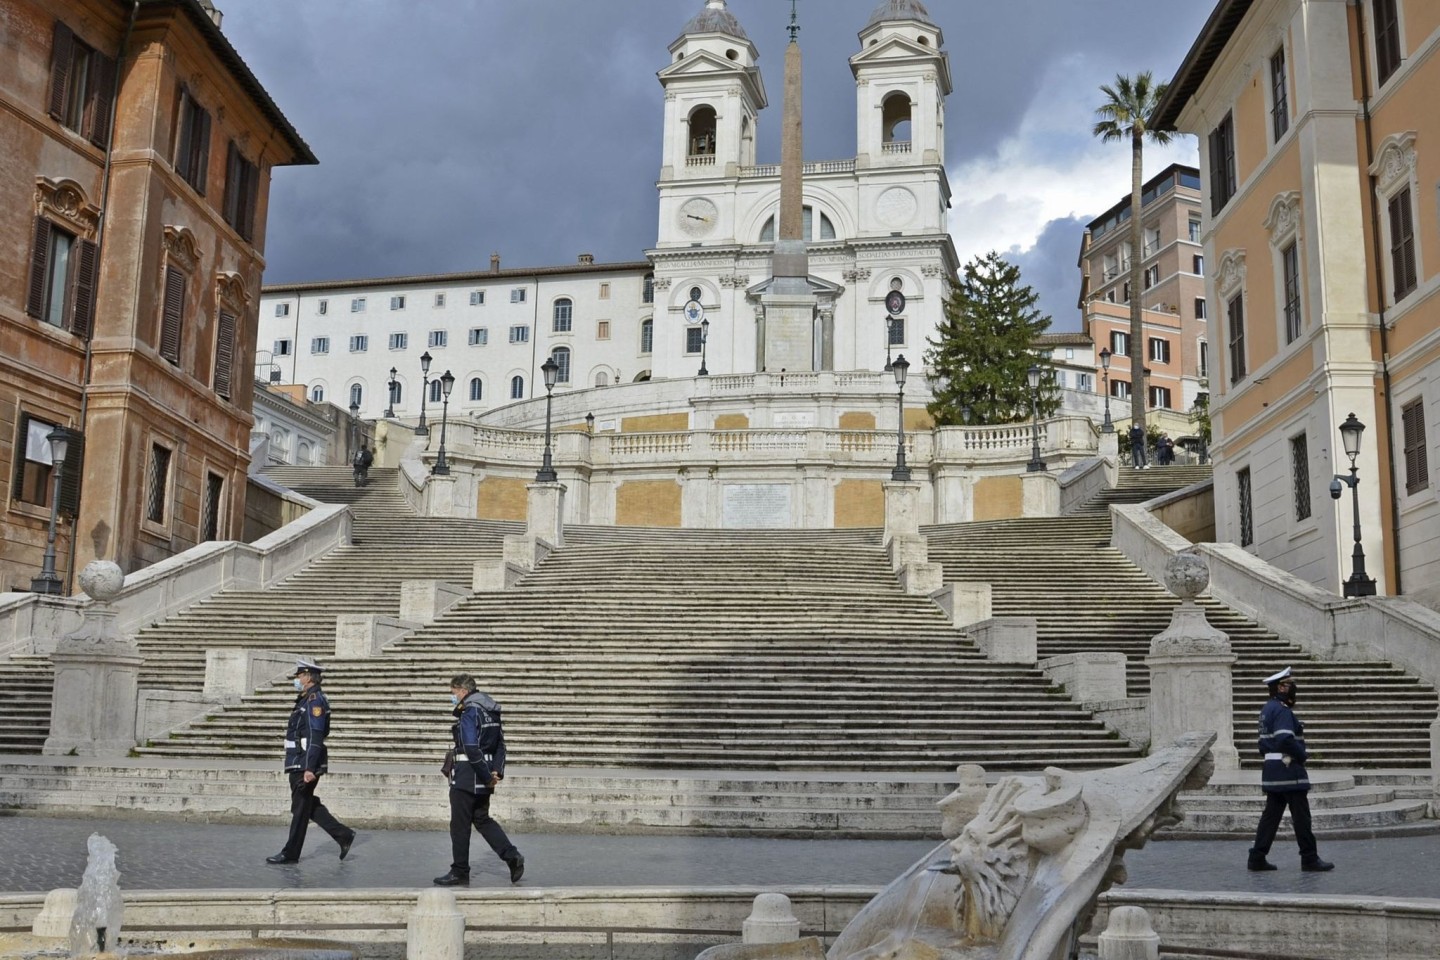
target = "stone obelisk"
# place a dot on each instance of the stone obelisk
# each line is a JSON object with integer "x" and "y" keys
{"x": 789, "y": 302}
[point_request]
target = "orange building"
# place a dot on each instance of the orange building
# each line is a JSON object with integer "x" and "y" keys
{"x": 135, "y": 158}
{"x": 1323, "y": 241}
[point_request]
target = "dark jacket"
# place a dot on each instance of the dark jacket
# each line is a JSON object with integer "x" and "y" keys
{"x": 1282, "y": 737}
{"x": 305, "y": 734}
{"x": 479, "y": 743}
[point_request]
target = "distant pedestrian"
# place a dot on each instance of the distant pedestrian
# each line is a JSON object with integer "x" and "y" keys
{"x": 362, "y": 461}
{"x": 1283, "y": 778}
{"x": 476, "y": 769}
{"x": 1137, "y": 446}
{"x": 306, "y": 761}
{"x": 1165, "y": 450}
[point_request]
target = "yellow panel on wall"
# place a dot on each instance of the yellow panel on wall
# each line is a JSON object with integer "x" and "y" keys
{"x": 502, "y": 498}
{"x": 648, "y": 503}
{"x": 857, "y": 420}
{"x": 660, "y": 423}
{"x": 859, "y": 503}
{"x": 918, "y": 418}
{"x": 998, "y": 498}
{"x": 732, "y": 421}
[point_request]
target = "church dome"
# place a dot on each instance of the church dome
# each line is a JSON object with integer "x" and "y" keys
{"x": 715, "y": 18}
{"x": 900, "y": 10}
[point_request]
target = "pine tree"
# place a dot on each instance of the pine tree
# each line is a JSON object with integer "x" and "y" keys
{"x": 985, "y": 348}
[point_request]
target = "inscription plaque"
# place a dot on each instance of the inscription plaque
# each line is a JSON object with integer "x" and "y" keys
{"x": 793, "y": 419}
{"x": 755, "y": 506}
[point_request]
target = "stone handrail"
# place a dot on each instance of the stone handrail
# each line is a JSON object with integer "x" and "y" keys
{"x": 30, "y": 624}
{"x": 1082, "y": 482}
{"x": 413, "y": 476}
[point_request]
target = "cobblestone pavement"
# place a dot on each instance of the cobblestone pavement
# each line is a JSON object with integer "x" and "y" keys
{"x": 39, "y": 853}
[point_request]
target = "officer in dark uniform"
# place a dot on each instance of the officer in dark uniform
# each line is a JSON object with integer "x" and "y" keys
{"x": 306, "y": 762}
{"x": 1283, "y": 778}
{"x": 478, "y": 766}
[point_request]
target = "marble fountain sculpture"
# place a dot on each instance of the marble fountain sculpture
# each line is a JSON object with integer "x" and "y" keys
{"x": 1021, "y": 868}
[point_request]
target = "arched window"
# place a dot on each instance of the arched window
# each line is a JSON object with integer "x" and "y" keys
{"x": 697, "y": 294}
{"x": 561, "y": 356}
{"x": 807, "y": 227}
{"x": 564, "y": 311}
{"x": 647, "y": 336}
{"x": 395, "y": 391}
{"x": 895, "y": 119}
{"x": 477, "y": 389}
{"x": 602, "y": 379}
{"x": 356, "y": 394}
{"x": 702, "y": 132}
{"x": 517, "y": 387}
{"x": 437, "y": 391}
{"x": 317, "y": 394}
{"x": 302, "y": 454}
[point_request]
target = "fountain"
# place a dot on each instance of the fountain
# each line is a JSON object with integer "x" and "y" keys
{"x": 98, "y": 907}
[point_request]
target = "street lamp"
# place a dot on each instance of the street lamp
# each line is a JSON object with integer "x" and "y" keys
{"x": 1107, "y": 426}
{"x": 1359, "y": 585}
{"x": 590, "y": 423}
{"x": 447, "y": 382}
{"x": 1036, "y": 465}
{"x": 546, "y": 473}
{"x": 425, "y": 358}
{"x": 390, "y": 407}
{"x": 354, "y": 426}
{"x": 49, "y": 580}
{"x": 704, "y": 339}
{"x": 899, "y": 368}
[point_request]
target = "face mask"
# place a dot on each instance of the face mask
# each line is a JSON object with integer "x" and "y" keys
{"x": 454, "y": 700}
{"x": 298, "y": 684}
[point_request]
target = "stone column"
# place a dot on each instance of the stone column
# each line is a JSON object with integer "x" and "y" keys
{"x": 545, "y": 513}
{"x": 1129, "y": 936}
{"x": 97, "y": 672}
{"x": 1190, "y": 683}
{"x": 436, "y": 929}
{"x": 1039, "y": 494}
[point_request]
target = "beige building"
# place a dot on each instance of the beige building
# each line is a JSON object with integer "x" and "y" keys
{"x": 1320, "y": 227}
{"x": 1173, "y": 298}
{"x": 136, "y": 148}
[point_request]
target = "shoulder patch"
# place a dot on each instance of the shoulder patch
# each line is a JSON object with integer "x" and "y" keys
{"x": 317, "y": 711}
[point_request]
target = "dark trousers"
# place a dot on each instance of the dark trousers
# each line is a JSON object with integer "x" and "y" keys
{"x": 304, "y": 807}
{"x": 468, "y": 810}
{"x": 1137, "y": 453}
{"x": 1275, "y": 804}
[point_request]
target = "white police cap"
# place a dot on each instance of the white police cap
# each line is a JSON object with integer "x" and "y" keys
{"x": 306, "y": 666}
{"x": 1277, "y": 677}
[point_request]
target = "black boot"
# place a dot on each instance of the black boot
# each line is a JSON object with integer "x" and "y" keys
{"x": 1258, "y": 862}
{"x": 1316, "y": 866}
{"x": 517, "y": 867}
{"x": 281, "y": 858}
{"x": 454, "y": 878}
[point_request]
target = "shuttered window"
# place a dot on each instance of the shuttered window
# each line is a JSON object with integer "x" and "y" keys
{"x": 61, "y": 289}
{"x": 1402, "y": 244}
{"x": 1387, "y": 38}
{"x": 82, "y": 86}
{"x": 1235, "y": 314}
{"x": 172, "y": 314}
{"x": 1290, "y": 270}
{"x": 1222, "y": 164}
{"x": 1417, "y": 460}
{"x": 224, "y": 352}
{"x": 192, "y": 142}
{"x": 242, "y": 186}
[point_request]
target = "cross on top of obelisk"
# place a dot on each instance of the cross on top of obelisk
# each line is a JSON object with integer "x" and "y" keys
{"x": 794, "y": 27}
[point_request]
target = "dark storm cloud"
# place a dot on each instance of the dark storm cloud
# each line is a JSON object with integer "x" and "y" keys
{"x": 446, "y": 130}
{"x": 1049, "y": 267}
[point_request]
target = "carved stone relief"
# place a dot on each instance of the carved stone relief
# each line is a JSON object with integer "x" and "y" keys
{"x": 1230, "y": 275}
{"x": 64, "y": 201}
{"x": 181, "y": 247}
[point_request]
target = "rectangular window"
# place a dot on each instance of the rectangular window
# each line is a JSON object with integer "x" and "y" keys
{"x": 1402, "y": 244}
{"x": 1069, "y": 353}
{"x": 439, "y": 299}
{"x": 359, "y": 343}
{"x": 1152, "y": 276}
{"x": 192, "y": 142}
{"x": 1125, "y": 293}
{"x": 1085, "y": 382}
{"x": 602, "y": 329}
{"x": 1222, "y": 164}
{"x": 1204, "y": 358}
{"x": 1160, "y": 398}
{"x": 647, "y": 336}
{"x": 1119, "y": 343}
{"x": 1195, "y": 231}
{"x": 1247, "y": 523}
{"x": 1279, "y": 96}
{"x": 1290, "y": 269}
{"x": 1152, "y": 243}
{"x": 323, "y": 307}
{"x": 1235, "y": 312}
{"x": 210, "y": 515}
{"x": 692, "y": 340}
{"x": 282, "y": 309}
{"x": 1112, "y": 267}
{"x": 282, "y": 348}
{"x": 61, "y": 291}
{"x": 563, "y": 316}
{"x": 156, "y": 502}
{"x": 357, "y": 305}
{"x": 172, "y": 314}
{"x": 1120, "y": 389}
{"x": 1200, "y": 310}
{"x": 1387, "y": 38}
{"x": 1159, "y": 350}
{"x": 397, "y": 303}
{"x": 242, "y": 191}
{"x": 897, "y": 331}
{"x": 479, "y": 336}
{"x": 520, "y": 334}
{"x": 438, "y": 338}
{"x": 320, "y": 345}
{"x": 477, "y": 298}
{"x": 517, "y": 295}
{"x": 647, "y": 289}
{"x": 604, "y": 291}
{"x": 82, "y": 86}
{"x": 1197, "y": 265}
{"x": 32, "y": 480}
{"x": 399, "y": 341}
{"x": 1417, "y": 460}
{"x": 1300, "y": 475}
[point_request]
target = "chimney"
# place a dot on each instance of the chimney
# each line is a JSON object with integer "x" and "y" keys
{"x": 587, "y": 259}
{"x": 215, "y": 15}
{"x": 494, "y": 263}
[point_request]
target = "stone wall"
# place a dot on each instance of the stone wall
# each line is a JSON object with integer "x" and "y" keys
{"x": 648, "y": 503}
{"x": 859, "y": 503}
{"x": 502, "y": 498}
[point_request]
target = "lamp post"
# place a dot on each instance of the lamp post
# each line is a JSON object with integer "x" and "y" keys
{"x": 1359, "y": 585}
{"x": 447, "y": 383}
{"x": 704, "y": 339}
{"x": 889, "y": 337}
{"x": 425, "y": 358}
{"x": 390, "y": 407}
{"x": 1032, "y": 376}
{"x": 1107, "y": 426}
{"x": 546, "y": 473}
{"x": 354, "y": 427}
{"x": 899, "y": 368}
{"x": 49, "y": 581}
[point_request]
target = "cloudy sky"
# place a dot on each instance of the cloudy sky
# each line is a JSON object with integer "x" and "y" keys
{"x": 448, "y": 129}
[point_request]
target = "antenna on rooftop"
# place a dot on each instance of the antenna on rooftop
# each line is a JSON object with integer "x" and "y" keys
{"x": 794, "y": 27}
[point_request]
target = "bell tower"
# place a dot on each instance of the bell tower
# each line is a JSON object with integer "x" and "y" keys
{"x": 902, "y": 76}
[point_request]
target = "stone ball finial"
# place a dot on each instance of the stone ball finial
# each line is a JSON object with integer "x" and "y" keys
{"x": 1187, "y": 575}
{"x": 101, "y": 580}
{"x": 771, "y": 920}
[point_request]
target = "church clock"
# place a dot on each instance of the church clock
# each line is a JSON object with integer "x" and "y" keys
{"x": 697, "y": 217}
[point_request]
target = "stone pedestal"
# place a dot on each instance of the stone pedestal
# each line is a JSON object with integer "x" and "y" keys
{"x": 1110, "y": 445}
{"x": 1190, "y": 667}
{"x": 54, "y": 918}
{"x": 545, "y": 513}
{"x": 1007, "y": 639}
{"x": 232, "y": 674}
{"x": 97, "y": 672}
{"x": 789, "y": 330}
{"x": 902, "y": 551}
{"x": 423, "y": 601}
{"x": 1039, "y": 494}
{"x": 1088, "y": 677}
{"x": 902, "y": 509}
{"x": 1129, "y": 936}
{"x": 440, "y": 496}
{"x": 771, "y": 920}
{"x": 436, "y": 928}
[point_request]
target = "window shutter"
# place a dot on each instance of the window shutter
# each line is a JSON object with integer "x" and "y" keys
{"x": 224, "y": 352}
{"x": 71, "y": 476}
{"x": 173, "y": 313}
{"x": 1407, "y": 240}
{"x": 17, "y": 455}
{"x": 250, "y": 200}
{"x": 183, "y": 134}
{"x": 62, "y": 52}
{"x": 39, "y": 270}
{"x": 201, "y": 152}
{"x": 82, "y": 321}
{"x": 232, "y": 185}
{"x": 100, "y": 98}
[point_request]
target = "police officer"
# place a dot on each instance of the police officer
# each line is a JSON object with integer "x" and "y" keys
{"x": 306, "y": 762}
{"x": 479, "y": 765}
{"x": 1284, "y": 780}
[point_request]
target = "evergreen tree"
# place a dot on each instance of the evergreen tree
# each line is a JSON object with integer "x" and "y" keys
{"x": 985, "y": 348}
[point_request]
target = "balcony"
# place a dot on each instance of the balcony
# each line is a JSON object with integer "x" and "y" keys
{"x": 895, "y": 146}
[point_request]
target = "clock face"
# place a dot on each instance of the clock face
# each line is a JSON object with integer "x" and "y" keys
{"x": 697, "y": 217}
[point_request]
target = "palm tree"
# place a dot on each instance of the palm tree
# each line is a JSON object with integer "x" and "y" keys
{"x": 1126, "y": 115}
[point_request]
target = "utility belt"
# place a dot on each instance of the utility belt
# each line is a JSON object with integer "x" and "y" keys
{"x": 466, "y": 759}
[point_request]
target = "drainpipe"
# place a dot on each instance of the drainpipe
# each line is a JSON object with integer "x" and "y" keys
{"x": 99, "y": 259}
{"x": 1377, "y": 253}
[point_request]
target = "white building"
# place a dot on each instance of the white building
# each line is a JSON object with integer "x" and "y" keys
{"x": 875, "y": 221}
